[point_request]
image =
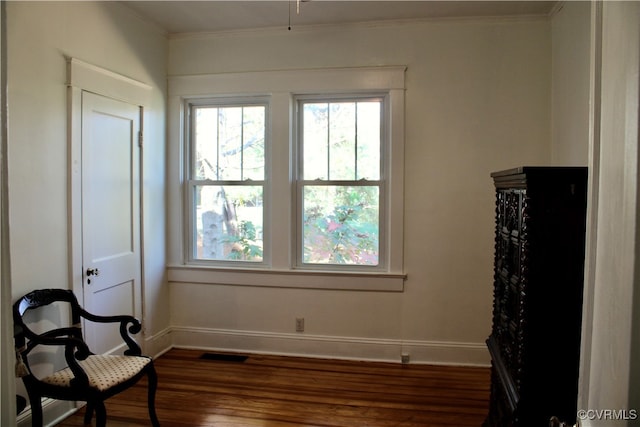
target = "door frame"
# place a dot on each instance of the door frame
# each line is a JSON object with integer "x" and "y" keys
{"x": 7, "y": 378}
{"x": 85, "y": 77}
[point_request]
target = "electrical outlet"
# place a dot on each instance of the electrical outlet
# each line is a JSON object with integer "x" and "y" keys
{"x": 299, "y": 324}
{"x": 405, "y": 358}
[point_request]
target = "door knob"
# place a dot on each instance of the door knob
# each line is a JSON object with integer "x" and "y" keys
{"x": 93, "y": 272}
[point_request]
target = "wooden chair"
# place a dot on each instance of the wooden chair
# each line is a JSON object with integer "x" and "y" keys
{"x": 87, "y": 377}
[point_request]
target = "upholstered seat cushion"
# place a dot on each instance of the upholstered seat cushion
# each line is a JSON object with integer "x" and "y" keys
{"x": 103, "y": 371}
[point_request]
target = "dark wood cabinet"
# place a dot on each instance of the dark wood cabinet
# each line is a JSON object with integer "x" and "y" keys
{"x": 537, "y": 295}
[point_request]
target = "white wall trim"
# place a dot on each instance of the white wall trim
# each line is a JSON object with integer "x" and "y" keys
{"x": 53, "y": 412}
{"x": 104, "y": 82}
{"x": 331, "y": 347}
{"x": 7, "y": 360}
{"x": 595, "y": 79}
{"x": 82, "y": 76}
{"x": 301, "y": 29}
{"x": 609, "y": 378}
{"x": 282, "y": 86}
{"x": 447, "y": 353}
{"x": 287, "y": 278}
{"x": 158, "y": 344}
{"x": 290, "y": 81}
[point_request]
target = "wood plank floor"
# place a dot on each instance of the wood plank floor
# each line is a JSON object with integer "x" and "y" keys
{"x": 274, "y": 391}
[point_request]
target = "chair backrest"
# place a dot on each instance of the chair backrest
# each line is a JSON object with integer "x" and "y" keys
{"x": 42, "y": 297}
{"x": 23, "y": 335}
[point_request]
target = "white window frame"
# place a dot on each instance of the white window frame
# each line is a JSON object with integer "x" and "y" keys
{"x": 281, "y": 87}
{"x": 191, "y": 183}
{"x": 298, "y": 181}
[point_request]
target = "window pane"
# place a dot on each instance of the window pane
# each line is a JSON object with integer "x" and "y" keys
{"x": 229, "y": 222}
{"x": 229, "y": 143}
{"x": 341, "y": 225}
{"x": 315, "y": 147}
{"x": 342, "y": 141}
{"x": 205, "y": 132}
{"x": 368, "y": 140}
{"x": 253, "y": 123}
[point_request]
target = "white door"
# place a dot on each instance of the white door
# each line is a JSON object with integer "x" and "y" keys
{"x": 111, "y": 254}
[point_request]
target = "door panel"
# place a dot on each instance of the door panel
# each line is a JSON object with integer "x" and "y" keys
{"x": 117, "y": 299}
{"x": 110, "y": 214}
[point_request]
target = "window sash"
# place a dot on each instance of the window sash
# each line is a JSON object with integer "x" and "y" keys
{"x": 357, "y": 224}
{"x": 339, "y": 115}
{"x": 220, "y": 104}
{"x": 301, "y": 183}
{"x": 192, "y": 227}
{"x": 193, "y": 183}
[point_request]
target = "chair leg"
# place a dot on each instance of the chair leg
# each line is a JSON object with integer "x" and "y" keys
{"x": 101, "y": 414}
{"x": 21, "y": 403}
{"x": 152, "y": 386}
{"x": 36, "y": 410}
{"x": 88, "y": 414}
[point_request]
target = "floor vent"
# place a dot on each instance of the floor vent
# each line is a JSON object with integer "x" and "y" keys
{"x": 224, "y": 357}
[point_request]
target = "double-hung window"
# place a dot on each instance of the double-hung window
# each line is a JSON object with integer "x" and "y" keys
{"x": 289, "y": 178}
{"x": 226, "y": 185}
{"x": 340, "y": 188}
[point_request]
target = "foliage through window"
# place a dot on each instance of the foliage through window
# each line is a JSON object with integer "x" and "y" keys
{"x": 227, "y": 180}
{"x": 339, "y": 181}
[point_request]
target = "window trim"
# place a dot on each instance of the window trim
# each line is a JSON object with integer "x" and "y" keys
{"x": 297, "y": 279}
{"x": 280, "y": 86}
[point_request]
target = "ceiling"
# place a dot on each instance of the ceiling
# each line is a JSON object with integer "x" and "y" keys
{"x": 176, "y": 17}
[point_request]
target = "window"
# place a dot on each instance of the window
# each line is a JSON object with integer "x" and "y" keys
{"x": 340, "y": 186}
{"x": 288, "y": 178}
{"x": 227, "y": 180}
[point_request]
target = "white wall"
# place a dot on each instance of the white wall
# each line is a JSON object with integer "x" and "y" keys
{"x": 40, "y": 35}
{"x": 477, "y": 100}
{"x": 610, "y": 372}
{"x": 570, "y": 30}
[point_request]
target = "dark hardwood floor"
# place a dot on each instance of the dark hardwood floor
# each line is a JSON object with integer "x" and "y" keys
{"x": 273, "y": 391}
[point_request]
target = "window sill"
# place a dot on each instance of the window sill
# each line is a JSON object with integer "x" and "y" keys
{"x": 344, "y": 281}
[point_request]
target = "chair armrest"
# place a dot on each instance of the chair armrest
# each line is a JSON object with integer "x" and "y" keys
{"x": 58, "y": 337}
{"x": 124, "y": 320}
{"x": 74, "y": 349}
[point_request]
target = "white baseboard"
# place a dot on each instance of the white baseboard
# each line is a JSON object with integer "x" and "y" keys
{"x": 157, "y": 344}
{"x": 387, "y": 350}
{"x": 447, "y": 353}
{"x": 53, "y": 411}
